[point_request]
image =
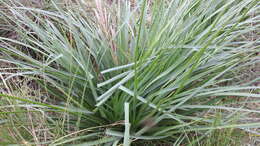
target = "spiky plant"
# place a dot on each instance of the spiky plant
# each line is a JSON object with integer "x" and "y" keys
{"x": 135, "y": 72}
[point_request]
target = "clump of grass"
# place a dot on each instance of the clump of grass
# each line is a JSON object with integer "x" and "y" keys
{"x": 23, "y": 123}
{"x": 132, "y": 73}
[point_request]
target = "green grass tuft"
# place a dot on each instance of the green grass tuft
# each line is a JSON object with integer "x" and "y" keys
{"x": 130, "y": 73}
